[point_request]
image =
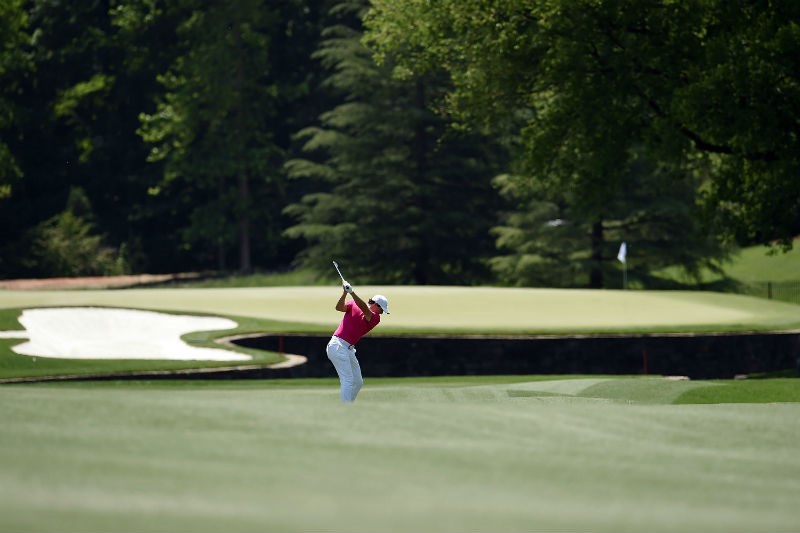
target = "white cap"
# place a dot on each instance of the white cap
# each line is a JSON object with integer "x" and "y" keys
{"x": 381, "y": 300}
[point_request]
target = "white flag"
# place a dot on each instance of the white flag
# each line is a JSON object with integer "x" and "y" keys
{"x": 623, "y": 252}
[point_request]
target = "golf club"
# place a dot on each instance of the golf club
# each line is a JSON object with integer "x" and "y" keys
{"x": 336, "y": 266}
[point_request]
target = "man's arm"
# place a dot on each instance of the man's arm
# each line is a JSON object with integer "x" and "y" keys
{"x": 363, "y": 306}
{"x": 340, "y": 304}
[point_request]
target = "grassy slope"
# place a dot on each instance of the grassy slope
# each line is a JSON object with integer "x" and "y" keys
{"x": 492, "y": 454}
{"x": 752, "y": 264}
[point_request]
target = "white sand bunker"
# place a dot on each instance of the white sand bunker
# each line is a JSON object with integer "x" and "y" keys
{"x": 103, "y": 333}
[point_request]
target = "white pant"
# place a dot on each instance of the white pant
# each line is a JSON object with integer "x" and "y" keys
{"x": 343, "y": 357}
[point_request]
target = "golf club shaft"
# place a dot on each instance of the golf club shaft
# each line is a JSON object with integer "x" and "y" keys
{"x": 336, "y": 266}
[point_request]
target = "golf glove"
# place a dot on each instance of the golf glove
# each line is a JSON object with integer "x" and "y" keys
{"x": 347, "y": 287}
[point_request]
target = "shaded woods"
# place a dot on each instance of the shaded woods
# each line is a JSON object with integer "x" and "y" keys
{"x": 468, "y": 142}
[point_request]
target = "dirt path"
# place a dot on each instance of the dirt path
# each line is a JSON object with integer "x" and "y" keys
{"x": 94, "y": 282}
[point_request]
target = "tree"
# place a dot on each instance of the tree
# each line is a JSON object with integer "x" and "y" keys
{"x": 77, "y": 77}
{"x": 544, "y": 239}
{"x": 397, "y": 193}
{"x": 539, "y": 242}
{"x": 13, "y": 62}
{"x": 592, "y": 80}
{"x": 68, "y": 245}
{"x": 209, "y": 127}
{"x": 219, "y": 129}
{"x": 57, "y": 52}
{"x": 78, "y": 107}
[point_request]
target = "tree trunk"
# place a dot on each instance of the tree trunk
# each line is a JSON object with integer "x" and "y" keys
{"x": 596, "y": 269}
{"x": 221, "y": 264}
{"x": 420, "y": 271}
{"x": 245, "y": 263}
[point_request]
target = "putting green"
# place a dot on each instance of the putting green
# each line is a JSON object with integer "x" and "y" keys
{"x": 455, "y": 309}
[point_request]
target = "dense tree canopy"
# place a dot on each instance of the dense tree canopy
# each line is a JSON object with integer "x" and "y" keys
{"x": 100, "y": 68}
{"x": 218, "y": 126}
{"x": 585, "y": 81}
{"x": 13, "y": 65}
{"x": 397, "y": 198}
{"x": 456, "y": 141}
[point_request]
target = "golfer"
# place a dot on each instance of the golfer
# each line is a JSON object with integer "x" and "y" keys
{"x": 359, "y": 319}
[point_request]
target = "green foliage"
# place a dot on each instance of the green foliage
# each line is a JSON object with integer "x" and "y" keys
{"x": 67, "y": 245}
{"x": 217, "y": 130}
{"x": 80, "y": 99}
{"x": 548, "y": 241}
{"x": 95, "y": 68}
{"x": 14, "y": 62}
{"x": 592, "y": 83}
{"x": 176, "y": 119}
{"x": 207, "y": 129}
{"x": 64, "y": 246}
{"x": 398, "y": 198}
{"x": 543, "y": 245}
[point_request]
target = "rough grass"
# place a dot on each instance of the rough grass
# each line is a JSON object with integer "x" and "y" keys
{"x": 13, "y": 365}
{"x": 758, "y": 264}
{"x": 745, "y": 391}
{"x": 493, "y": 454}
{"x": 751, "y": 264}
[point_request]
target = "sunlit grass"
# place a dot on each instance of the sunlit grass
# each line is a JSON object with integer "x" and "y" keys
{"x": 446, "y": 454}
{"x": 751, "y": 264}
{"x": 465, "y": 310}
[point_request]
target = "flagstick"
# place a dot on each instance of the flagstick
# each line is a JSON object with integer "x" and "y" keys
{"x": 624, "y": 275}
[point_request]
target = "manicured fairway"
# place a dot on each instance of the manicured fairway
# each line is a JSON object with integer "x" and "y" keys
{"x": 455, "y": 309}
{"x": 464, "y": 454}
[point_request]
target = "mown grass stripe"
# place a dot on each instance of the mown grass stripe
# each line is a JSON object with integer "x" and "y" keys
{"x": 407, "y": 456}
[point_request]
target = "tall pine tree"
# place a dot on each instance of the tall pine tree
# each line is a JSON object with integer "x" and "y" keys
{"x": 397, "y": 197}
{"x": 546, "y": 241}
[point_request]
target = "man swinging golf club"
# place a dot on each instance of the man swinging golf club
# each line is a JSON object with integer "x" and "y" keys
{"x": 359, "y": 319}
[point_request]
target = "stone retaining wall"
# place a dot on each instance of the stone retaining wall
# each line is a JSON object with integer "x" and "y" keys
{"x": 704, "y": 356}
